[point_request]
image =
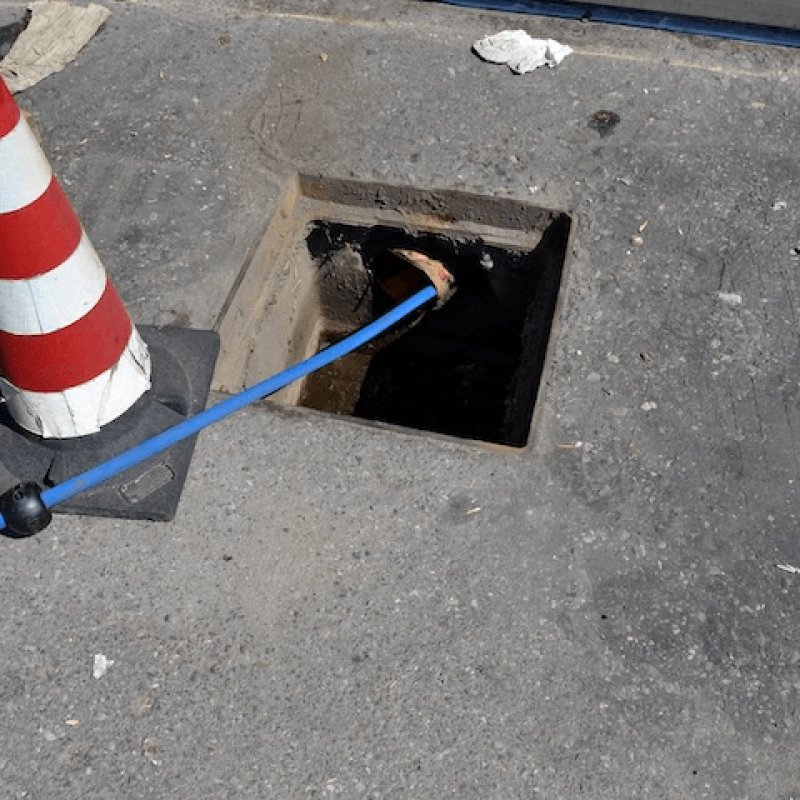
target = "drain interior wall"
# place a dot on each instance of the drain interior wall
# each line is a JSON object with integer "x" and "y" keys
{"x": 536, "y": 331}
{"x": 287, "y": 330}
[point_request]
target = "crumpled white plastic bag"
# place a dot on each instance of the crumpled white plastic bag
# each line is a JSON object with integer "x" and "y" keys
{"x": 521, "y": 51}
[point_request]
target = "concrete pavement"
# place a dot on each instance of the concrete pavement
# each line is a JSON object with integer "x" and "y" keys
{"x": 328, "y": 616}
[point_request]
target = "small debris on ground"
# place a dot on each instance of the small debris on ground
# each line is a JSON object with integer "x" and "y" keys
{"x": 101, "y": 665}
{"x": 730, "y": 298}
{"x": 649, "y": 405}
{"x": 144, "y": 705}
{"x": 150, "y": 751}
{"x": 520, "y": 51}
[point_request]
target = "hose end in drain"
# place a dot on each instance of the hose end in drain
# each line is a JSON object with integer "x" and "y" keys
{"x": 408, "y": 272}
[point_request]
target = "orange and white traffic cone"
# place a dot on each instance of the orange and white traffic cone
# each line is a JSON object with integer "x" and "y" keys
{"x": 71, "y": 360}
{"x": 76, "y": 382}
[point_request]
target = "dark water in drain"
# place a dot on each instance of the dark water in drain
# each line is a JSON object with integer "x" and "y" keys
{"x": 471, "y": 369}
{"x": 337, "y": 387}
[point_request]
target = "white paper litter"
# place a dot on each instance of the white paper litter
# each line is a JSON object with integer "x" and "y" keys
{"x": 55, "y": 35}
{"x": 521, "y": 51}
{"x": 101, "y": 665}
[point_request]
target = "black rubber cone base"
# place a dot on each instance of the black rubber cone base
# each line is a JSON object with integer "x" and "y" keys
{"x": 183, "y": 364}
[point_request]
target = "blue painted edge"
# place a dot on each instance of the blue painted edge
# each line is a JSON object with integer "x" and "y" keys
{"x": 675, "y": 23}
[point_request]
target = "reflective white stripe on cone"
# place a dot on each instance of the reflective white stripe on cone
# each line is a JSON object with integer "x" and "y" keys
{"x": 70, "y": 359}
{"x": 24, "y": 171}
{"x": 62, "y": 415}
{"x": 55, "y": 299}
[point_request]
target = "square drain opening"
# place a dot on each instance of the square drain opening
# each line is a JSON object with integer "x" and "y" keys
{"x": 471, "y": 369}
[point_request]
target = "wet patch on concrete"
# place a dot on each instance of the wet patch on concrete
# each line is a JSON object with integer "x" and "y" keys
{"x": 604, "y": 122}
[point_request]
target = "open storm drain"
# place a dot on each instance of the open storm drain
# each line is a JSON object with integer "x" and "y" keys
{"x": 471, "y": 369}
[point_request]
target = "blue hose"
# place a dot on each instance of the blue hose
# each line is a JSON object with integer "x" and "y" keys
{"x": 189, "y": 427}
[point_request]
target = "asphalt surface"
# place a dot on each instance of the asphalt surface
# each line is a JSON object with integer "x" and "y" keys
{"x": 329, "y": 616}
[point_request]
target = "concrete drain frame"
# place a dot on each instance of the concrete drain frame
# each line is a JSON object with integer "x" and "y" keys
{"x": 469, "y": 372}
